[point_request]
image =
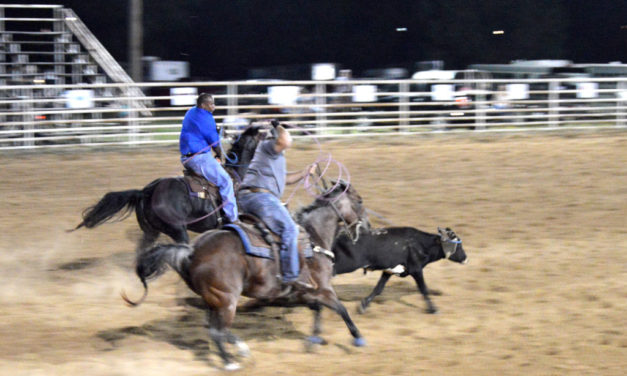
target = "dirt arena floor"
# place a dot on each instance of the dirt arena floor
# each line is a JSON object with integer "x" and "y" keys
{"x": 543, "y": 219}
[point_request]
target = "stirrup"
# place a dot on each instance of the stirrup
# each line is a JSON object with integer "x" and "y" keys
{"x": 295, "y": 286}
{"x": 286, "y": 289}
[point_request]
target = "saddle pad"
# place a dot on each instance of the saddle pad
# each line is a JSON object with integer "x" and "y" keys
{"x": 262, "y": 251}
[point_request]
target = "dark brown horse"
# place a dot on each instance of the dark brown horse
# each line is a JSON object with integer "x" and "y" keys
{"x": 216, "y": 267}
{"x": 165, "y": 206}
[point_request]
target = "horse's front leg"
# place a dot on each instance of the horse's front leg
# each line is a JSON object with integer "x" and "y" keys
{"x": 422, "y": 287}
{"x": 378, "y": 289}
{"x": 315, "y": 338}
{"x": 329, "y": 299}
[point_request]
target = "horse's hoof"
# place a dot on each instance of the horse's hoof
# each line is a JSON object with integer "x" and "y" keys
{"x": 242, "y": 349}
{"x": 359, "y": 342}
{"x": 316, "y": 340}
{"x": 432, "y": 310}
{"x": 232, "y": 366}
{"x": 361, "y": 309}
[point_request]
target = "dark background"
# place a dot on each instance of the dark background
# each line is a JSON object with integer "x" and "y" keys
{"x": 223, "y": 39}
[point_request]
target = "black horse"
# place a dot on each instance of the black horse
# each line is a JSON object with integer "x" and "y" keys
{"x": 405, "y": 248}
{"x": 167, "y": 206}
{"x": 216, "y": 267}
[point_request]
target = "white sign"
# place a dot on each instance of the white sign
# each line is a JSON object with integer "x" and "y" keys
{"x": 164, "y": 70}
{"x": 517, "y": 91}
{"x": 364, "y": 93}
{"x": 183, "y": 96}
{"x": 283, "y": 95}
{"x": 79, "y": 98}
{"x": 323, "y": 72}
{"x": 442, "y": 92}
{"x": 587, "y": 89}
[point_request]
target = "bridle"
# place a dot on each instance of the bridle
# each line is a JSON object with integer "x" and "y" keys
{"x": 449, "y": 244}
{"x": 346, "y": 226}
{"x": 357, "y": 224}
{"x": 450, "y": 247}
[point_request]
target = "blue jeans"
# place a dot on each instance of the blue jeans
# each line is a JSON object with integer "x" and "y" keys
{"x": 269, "y": 208}
{"x": 207, "y": 166}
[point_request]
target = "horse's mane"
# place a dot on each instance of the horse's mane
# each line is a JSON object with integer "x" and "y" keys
{"x": 319, "y": 202}
{"x": 238, "y": 146}
{"x": 299, "y": 215}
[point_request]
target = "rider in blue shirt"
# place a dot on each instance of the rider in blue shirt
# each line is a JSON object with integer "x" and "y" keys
{"x": 199, "y": 135}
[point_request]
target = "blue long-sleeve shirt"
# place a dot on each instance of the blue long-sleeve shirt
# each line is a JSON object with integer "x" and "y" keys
{"x": 199, "y": 132}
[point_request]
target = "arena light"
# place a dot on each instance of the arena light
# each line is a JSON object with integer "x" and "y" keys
{"x": 498, "y": 32}
{"x": 401, "y": 29}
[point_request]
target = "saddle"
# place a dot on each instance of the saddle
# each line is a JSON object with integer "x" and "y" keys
{"x": 200, "y": 187}
{"x": 260, "y": 235}
{"x": 257, "y": 237}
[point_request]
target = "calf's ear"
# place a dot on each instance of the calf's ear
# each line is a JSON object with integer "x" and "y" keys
{"x": 443, "y": 234}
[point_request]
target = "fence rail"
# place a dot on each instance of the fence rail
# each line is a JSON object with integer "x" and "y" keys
{"x": 48, "y": 116}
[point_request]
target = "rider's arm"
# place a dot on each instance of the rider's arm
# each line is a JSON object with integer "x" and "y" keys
{"x": 295, "y": 177}
{"x": 209, "y": 130}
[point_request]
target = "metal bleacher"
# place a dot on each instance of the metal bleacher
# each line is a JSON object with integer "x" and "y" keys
{"x": 38, "y": 46}
{"x": 46, "y": 47}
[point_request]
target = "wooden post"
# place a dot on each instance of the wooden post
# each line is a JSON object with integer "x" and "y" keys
{"x": 135, "y": 39}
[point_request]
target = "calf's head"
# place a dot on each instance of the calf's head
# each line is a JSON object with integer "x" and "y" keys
{"x": 452, "y": 246}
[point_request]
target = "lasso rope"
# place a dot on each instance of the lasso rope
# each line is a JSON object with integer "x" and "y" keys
{"x": 308, "y": 184}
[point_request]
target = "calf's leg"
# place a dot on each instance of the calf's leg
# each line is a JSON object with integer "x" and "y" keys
{"x": 378, "y": 289}
{"x": 422, "y": 287}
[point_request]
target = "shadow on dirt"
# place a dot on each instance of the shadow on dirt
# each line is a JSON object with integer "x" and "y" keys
{"x": 392, "y": 291}
{"x": 189, "y": 330}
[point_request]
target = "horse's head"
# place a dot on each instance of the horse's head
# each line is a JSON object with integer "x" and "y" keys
{"x": 243, "y": 148}
{"x": 349, "y": 205}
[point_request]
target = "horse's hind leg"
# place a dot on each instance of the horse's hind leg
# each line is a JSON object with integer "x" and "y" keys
{"x": 219, "y": 334}
{"x": 378, "y": 289}
{"x": 242, "y": 347}
{"x": 177, "y": 233}
{"x": 220, "y": 317}
{"x": 148, "y": 239}
{"x": 329, "y": 299}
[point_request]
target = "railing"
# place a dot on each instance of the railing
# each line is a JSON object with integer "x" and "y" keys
{"x": 110, "y": 114}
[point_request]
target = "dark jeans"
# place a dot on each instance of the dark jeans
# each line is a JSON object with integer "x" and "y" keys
{"x": 269, "y": 208}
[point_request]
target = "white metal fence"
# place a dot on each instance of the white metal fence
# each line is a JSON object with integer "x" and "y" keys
{"x": 47, "y": 116}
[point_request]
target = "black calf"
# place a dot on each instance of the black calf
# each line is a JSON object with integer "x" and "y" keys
{"x": 390, "y": 247}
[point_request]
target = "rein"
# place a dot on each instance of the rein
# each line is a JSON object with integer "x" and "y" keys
{"x": 347, "y": 226}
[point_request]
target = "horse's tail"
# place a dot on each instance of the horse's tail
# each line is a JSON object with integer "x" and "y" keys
{"x": 110, "y": 205}
{"x": 153, "y": 263}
